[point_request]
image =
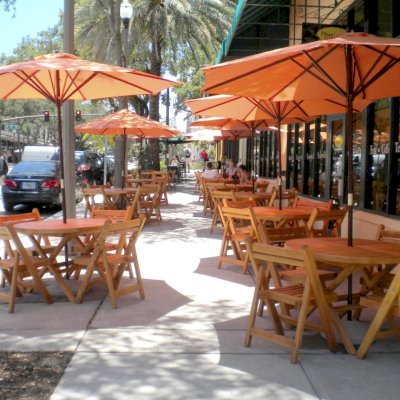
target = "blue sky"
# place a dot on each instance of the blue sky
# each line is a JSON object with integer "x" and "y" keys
{"x": 31, "y": 17}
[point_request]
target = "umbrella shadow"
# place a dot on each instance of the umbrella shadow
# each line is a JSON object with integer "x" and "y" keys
{"x": 160, "y": 300}
{"x": 232, "y": 273}
{"x": 257, "y": 359}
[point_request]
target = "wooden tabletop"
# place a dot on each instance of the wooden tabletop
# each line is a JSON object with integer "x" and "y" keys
{"x": 57, "y": 227}
{"x": 336, "y": 251}
{"x": 286, "y": 213}
{"x": 255, "y": 195}
{"x": 116, "y": 191}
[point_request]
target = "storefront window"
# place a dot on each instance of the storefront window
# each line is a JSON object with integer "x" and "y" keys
{"x": 337, "y": 159}
{"x": 385, "y": 18}
{"x": 311, "y": 159}
{"x": 321, "y": 157}
{"x": 357, "y": 138}
{"x": 378, "y": 152}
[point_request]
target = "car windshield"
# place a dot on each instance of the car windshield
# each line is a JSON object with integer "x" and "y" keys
{"x": 78, "y": 158}
{"x": 35, "y": 167}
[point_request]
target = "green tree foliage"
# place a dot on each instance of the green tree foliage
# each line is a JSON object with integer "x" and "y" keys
{"x": 7, "y": 4}
{"x": 172, "y": 36}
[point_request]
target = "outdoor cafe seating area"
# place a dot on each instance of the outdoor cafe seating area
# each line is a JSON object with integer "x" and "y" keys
{"x": 302, "y": 265}
{"x": 291, "y": 246}
{"x": 95, "y": 250}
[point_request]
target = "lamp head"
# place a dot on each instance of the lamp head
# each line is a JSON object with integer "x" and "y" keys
{"x": 126, "y": 12}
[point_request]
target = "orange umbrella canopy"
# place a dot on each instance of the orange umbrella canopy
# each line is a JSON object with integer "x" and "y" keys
{"x": 362, "y": 65}
{"x": 127, "y": 123}
{"x": 345, "y": 68}
{"x": 231, "y": 124}
{"x": 269, "y": 112}
{"x": 61, "y": 76}
{"x": 204, "y": 135}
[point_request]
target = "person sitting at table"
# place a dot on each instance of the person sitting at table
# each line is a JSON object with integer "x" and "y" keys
{"x": 175, "y": 161}
{"x": 209, "y": 172}
{"x": 243, "y": 174}
{"x": 230, "y": 171}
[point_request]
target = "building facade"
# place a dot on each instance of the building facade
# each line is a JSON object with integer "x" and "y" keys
{"x": 313, "y": 157}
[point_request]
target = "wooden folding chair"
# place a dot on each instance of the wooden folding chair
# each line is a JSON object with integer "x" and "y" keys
{"x": 208, "y": 186}
{"x": 323, "y": 223}
{"x": 11, "y": 267}
{"x": 20, "y": 263}
{"x": 304, "y": 297}
{"x": 308, "y": 203}
{"x": 92, "y": 198}
{"x": 8, "y": 251}
{"x": 113, "y": 215}
{"x": 149, "y": 202}
{"x": 163, "y": 181}
{"x": 245, "y": 203}
{"x": 111, "y": 266}
{"x": 217, "y": 196}
{"x": 262, "y": 186}
{"x": 172, "y": 178}
{"x": 387, "y": 307}
{"x": 239, "y": 224}
{"x": 109, "y": 202}
{"x": 378, "y": 272}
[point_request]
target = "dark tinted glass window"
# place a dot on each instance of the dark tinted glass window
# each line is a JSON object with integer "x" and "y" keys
{"x": 35, "y": 167}
{"x": 79, "y": 158}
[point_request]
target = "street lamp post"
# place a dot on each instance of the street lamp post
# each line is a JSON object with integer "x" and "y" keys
{"x": 125, "y": 12}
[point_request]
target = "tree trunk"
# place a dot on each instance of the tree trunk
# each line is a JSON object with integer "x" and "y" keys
{"x": 154, "y": 104}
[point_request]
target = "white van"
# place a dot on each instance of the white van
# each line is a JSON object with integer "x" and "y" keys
{"x": 40, "y": 153}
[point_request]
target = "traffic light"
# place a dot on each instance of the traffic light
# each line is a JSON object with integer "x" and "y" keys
{"x": 78, "y": 115}
{"x": 46, "y": 116}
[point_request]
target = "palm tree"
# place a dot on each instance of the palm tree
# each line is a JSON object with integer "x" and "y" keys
{"x": 162, "y": 33}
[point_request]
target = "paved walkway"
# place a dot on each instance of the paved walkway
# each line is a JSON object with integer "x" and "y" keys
{"x": 185, "y": 340}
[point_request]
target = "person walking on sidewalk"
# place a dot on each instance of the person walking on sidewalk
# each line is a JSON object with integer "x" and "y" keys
{"x": 3, "y": 166}
{"x": 187, "y": 153}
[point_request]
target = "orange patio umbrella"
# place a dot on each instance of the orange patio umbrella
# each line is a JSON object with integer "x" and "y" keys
{"x": 205, "y": 135}
{"x": 128, "y": 124}
{"x": 60, "y": 76}
{"x": 267, "y": 112}
{"x": 234, "y": 129}
{"x": 228, "y": 123}
{"x": 345, "y": 68}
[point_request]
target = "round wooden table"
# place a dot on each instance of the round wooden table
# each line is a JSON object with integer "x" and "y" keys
{"x": 56, "y": 227}
{"x": 335, "y": 251}
{"x": 363, "y": 255}
{"x": 280, "y": 217}
{"x": 69, "y": 233}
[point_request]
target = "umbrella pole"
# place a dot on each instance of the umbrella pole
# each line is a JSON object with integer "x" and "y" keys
{"x": 349, "y": 143}
{"x": 279, "y": 164}
{"x": 253, "y": 135}
{"x": 60, "y": 143}
{"x": 124, "y": 160}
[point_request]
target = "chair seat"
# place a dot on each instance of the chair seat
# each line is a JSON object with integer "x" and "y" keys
{"x": 299, "y": 274}
{"x": 375, "y": 301}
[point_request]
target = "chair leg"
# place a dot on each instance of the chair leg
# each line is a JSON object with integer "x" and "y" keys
{"x": 13, "y": 290}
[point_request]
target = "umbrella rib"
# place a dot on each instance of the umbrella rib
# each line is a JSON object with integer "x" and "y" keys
{"x": 314, "y": 63}
{"x": 333, "y": 85}
{"x": 366, "y": 81}
{"x": 248, "y": 73}
{"x": 145, "y": 91}
{"x": 32, "y": 82}
{"x": 262, "y": 106}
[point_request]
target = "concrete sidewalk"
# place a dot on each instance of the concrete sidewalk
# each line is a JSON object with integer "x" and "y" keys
{"x": 185, "y": 340}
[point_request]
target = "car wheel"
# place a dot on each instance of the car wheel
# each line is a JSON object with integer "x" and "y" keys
{"x": 8, "y": 206}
